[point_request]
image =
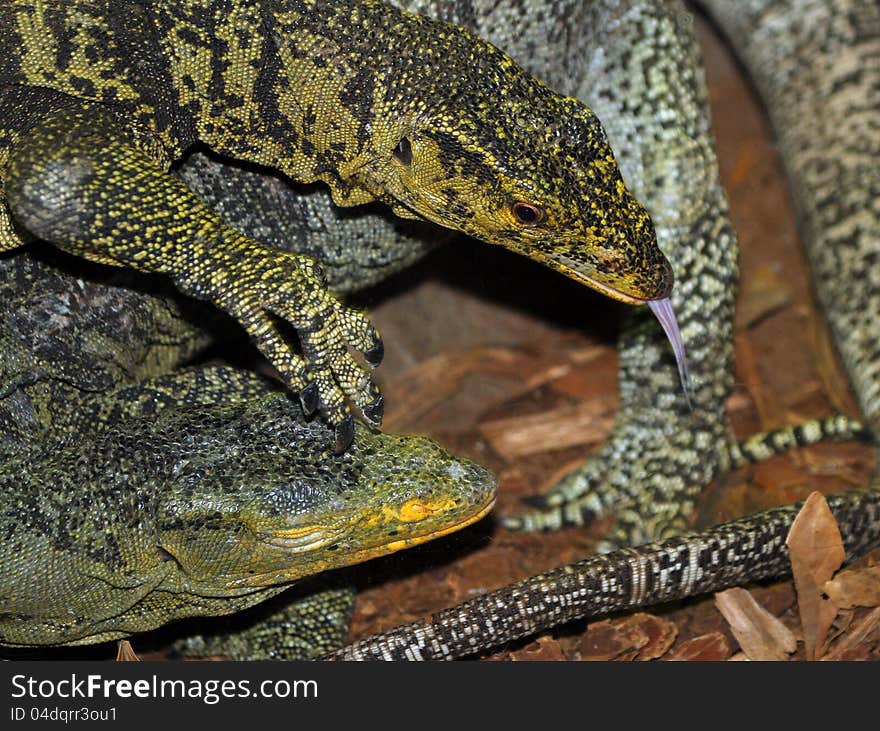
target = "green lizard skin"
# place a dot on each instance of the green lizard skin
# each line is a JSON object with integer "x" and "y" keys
{"x": 662, "y": 452}
{"x": 218, "y": 509}
{"x": 194, "y": 493}
{"x": 99, "y": 98}
{"x": 815, "y": 64}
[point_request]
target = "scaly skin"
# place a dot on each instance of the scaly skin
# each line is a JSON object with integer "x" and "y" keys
{"x": 815, "y": 63}
{"x": 218, "y": 508}
{"x": 133, "y": 497}
{"x": 99, "y": 98}
{"x": 662, "y": 453}
{"x": 656, "y": 379}
{"x": 88, "y": 388}
{"x": 638, "y": 63}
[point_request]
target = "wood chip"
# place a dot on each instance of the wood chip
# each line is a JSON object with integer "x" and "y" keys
{"x": 433, "y": 381}
{"x": 858, "y": 642}
{"x": 661, "y": 634}
{"x": 748, "y": 372}
{"x": 763, "y": 292}
{"x": 827, "y": 362}
{"x": 712, "y": 647}
{"x": 855, "y": 588}
{"x": 816, "y": 552}
{"x": 544, "y": 649}
{"x": 612, "y": 640}
{"x": 585, "y": 423}
{"x": 761, "y": 635}
{"x": 125, "y": 653}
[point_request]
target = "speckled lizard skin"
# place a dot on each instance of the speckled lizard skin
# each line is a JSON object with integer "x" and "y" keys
{"x": 136, "y": 493}
{"x": 664, "y": 96}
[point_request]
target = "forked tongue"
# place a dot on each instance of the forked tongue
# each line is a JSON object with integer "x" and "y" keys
{"x": 663, "y": 311}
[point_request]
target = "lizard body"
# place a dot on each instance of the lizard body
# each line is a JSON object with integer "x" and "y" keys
{"x": 99, "y": 98}
{"x": 216, "y": 511}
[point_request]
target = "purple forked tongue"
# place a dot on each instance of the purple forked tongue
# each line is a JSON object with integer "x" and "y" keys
{"x": 663, "y": 311}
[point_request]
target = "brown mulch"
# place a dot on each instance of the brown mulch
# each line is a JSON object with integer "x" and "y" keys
{"x": 503, "y": 361}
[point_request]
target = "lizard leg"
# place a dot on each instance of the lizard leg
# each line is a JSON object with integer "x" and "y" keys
{"x": 292, "y": 626}
{"x": 652, "y": 102}
{"x": 79, "y": 182}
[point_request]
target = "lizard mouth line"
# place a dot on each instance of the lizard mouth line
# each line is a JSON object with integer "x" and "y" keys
{"x": 307, "y": 542}
{"x": 303, "y": 541}
{"x": 479, "y": 515}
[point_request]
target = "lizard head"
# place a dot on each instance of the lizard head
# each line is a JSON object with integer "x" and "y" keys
{"x": 269, "y": 514}
{"x": 501, "y": 157}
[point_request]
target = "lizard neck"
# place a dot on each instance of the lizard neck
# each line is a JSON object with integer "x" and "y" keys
{"x": 282, "y": 86}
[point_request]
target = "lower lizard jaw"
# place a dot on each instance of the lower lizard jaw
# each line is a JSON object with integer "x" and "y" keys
{"x": 304, "y": 567}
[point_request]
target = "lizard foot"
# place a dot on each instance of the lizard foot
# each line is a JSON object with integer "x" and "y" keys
{"x": 648, "y": 476}
{"x": 263, "y": 289}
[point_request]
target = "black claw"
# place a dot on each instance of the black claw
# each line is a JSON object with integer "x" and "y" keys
{"x": 344, "y": 434}
{"x": 375, "y": 354}
{"x": 308, "y": 397}
{"x": 374, "y": 411}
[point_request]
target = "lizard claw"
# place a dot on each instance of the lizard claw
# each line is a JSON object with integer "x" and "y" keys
{"x": 374, "y": 411}
{"x": 375, "y": 354}
{"x": 344, "y": 434}
{"x": 309, "y": 398}
{"x": 261, "y": 287}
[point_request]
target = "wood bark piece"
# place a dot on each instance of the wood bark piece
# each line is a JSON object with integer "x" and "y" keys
{"x": 760, "y": 635}
{"x": 583, "y": 424}
{"x": 705, "y": 648}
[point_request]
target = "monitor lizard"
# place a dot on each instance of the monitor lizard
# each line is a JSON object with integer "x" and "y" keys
{"x": 99, "y": 98}
{"x": 135, "y": 494}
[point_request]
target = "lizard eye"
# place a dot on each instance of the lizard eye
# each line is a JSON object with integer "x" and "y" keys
{"x": 527, "y": 214}
{"x": 403, "y": 152}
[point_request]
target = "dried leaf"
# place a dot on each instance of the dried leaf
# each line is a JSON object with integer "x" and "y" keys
{"x": 712, "y": 647}
{"x": 607, "y": 640}
{"x": 761, "y": 635}
{"x": 585, "y": 423}
{"x": 859, "y": 641}
{"x": 816, "y": 552}
{"x": 125, "y": 653}
{"x": 855, "y": 588}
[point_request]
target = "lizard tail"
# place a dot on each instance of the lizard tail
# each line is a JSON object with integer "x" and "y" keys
{"x": 760, "y": 447}
{"x": 748, "y": 549}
